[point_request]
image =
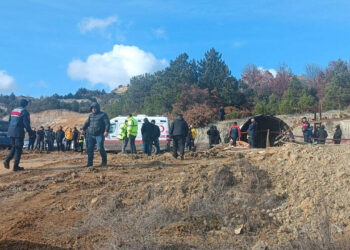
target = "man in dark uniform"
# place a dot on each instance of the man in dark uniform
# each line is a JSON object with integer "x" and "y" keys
{"x": 19, "y": 119}
{"x": 178, "y": 132}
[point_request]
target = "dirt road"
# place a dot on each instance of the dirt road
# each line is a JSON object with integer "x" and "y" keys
{"x": 238, "y": 198}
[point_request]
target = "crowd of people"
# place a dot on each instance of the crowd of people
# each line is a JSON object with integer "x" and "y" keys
{"x": 61, "y": 140}
{"x": 318, "y": 134}
{"x": 96, "y": 128}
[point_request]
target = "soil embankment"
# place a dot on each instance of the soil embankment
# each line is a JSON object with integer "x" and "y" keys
{"x": 235, "y": 198}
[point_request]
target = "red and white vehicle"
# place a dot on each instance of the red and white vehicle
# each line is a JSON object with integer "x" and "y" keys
{"x": 113, "y": 144}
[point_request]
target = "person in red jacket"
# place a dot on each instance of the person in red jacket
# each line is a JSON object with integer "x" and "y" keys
{"x": 234, "y": 133}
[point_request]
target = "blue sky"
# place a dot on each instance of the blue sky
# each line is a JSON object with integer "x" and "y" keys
{"x": 58, "y": 46}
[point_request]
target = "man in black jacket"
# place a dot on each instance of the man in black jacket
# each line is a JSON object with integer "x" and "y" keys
{"x": 222, "y": 113}
{"x": 322, "y": 135}
{"x": 19, "y": 120}
{"x": 337, "y": 134}
{"x": 147, "y": 136}
{"x": 75, "y": 139}
{"x": 214, "y": 136}
{"x": 59, "y": 139}
{"x": 156, "y": 135}
{"x": 97, "y": 126}
{"x": 178, "y": 132}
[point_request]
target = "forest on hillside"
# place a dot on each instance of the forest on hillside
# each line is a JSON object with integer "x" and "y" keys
{"x": 198, "y": 88}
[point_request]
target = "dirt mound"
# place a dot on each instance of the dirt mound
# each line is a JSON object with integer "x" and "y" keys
{"x": 15, "y": 245}
{"x": 56, "y": 118}
{"x": 294, "y": 196}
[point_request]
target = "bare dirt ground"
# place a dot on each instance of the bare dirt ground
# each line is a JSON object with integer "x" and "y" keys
{"x": 291, "y": 197}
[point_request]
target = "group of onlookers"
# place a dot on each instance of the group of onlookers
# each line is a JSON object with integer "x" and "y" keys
{"x": 44, "y": 139}
{"x": 234, "y": 134}
{"x": 318, "y": 134}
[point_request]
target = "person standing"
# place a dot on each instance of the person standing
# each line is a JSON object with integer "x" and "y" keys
{"x": 53, "y": 138}
{"x": 59, "y": 139}
{"x": 234, "y": 133}
{"x": 305, "y": 129}
{"x": 123, "y": 136}
{"x": 97, "y": 126}
{"x": 132, "y": 130}
{"x": 81, "y": 138}
{"x": 310, "y": 135}
{"x": 156, "y": 135}
{"x": 214, "y": 136}
{"x": 32, "y": 138}
{"x": 222, "y": 113}
{"x": 19, "y": 120}
{"x": 69, "y": 137}
{"x": 48, "y": 139}
{"x": 322, "y": 135}
{"x": 192, "y": 134}
{"x": 252, "y": 132}
{"x": 315, "y": 133}
{"x": 178, "y": 132}
{"x": 75, "y": 139}
{"x": 337, "y": 134}
{"x": 40, "y": 136}
{"x": 147, "y": 136}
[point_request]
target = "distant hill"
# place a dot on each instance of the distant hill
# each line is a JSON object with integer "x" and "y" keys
{"x": 120, "y": 90}
{"x": 79, "y": 102}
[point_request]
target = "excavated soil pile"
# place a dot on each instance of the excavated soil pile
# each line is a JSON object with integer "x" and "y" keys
{"x": 294, "y": 196}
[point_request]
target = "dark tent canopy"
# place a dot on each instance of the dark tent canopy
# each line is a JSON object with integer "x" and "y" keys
{"x": 265, "y": 122}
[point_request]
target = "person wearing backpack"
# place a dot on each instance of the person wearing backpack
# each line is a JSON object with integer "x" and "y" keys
{"x": 234, "y": 133}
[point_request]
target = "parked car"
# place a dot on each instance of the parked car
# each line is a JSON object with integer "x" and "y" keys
{"x": 5, "y": 141}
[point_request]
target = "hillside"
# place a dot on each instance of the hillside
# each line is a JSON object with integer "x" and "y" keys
{"x": 289, "y": 197}
{"x": 55, "y": 118}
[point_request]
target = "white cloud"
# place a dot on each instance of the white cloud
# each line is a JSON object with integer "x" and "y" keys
{"x": 272, "y": 71}
{"x": 115, "y": 67}
{"x": 89, "y": 24}
{"x": 159, "y": 33}
{"x": 7, "y": 82}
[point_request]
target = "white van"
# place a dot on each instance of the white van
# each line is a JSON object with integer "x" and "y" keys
{"x": 113, "y": 144}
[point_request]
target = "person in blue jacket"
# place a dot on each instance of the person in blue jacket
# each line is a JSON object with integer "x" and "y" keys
{"x": 19, "y": 120}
